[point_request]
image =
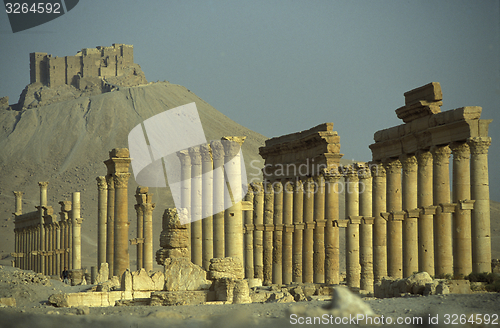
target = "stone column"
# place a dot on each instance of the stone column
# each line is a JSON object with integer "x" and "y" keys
{"x": 41, "y": 248}
{"x": 110, "y": 224}
{"x": 353, "y": 274}
{"x": 366, "y": 227}
{"x": 19, "y": 202}
{"x": 249, "y": 231}
{"x": 268, "y": 232}
{"x": 207, "y": 205}
{"x": 410, "y": 225}
{"x": 379, "y": 224}
{"x": 307, "y": 250}
{"x": 425, "y": 220}
{"x": 332, "y": 229}
{"x": 139, "y": 211}
{"x": 480, "y": 192}
{"x": 233, "y": 216}
{"x": 218, "y": 197}
{"x": 287, "y": 232}
{"x": 462, "y": 253}
{"x": 278, "y": 233}
{"x": 196, "y": 204}
{"x": 319, "y": 231}
{"x": 121, "y": 253}
{"x": 298, "y": 222}
{"x": 258, "y": 221}
{"x": 77, "y": 237}
{"x": 148, "y": 234}
{"x": 102, "y": 203}
{"x": 395, "y": 227}
{"x": 185, "y": 160}
{"x": 442, "y": 221}
{"x": 59, "y": 251}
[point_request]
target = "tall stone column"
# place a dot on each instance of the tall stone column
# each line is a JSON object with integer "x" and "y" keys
{"x": 425, "y": 220}
{"x": 442, "y": 221}
{"x": 353, "y": 272}
{"x": 395, "y": 227}
{"x": 233, "y": 216}
{"x": 139, "y": 211}
{"x": 148, "y": 234}
{"x": 207, "y": 205}
{"x": 298, "y": 222}
{"x": 379, "y": 206}
{"x": 366, "y": 228}
{"x": 59, "y": 251}
{"x": 110, "y": 224}
{"x": 77, "y": 237}
{"x": 185, "y": 160}
{"x": 410, "y": 225}
{"x": 41, "y": 246}
{"x": 258, "y": 234}
{"x": 319, "y": 231}
{"x": 480, "y": 192}
{"x": 19, "y": 202}
{"x": 218, "y": 197}
{"x": 102, "y": 204}
{"x": 287, "y": 232}
{"x": 307, "y": 250}
{"x": 121, "y": 253}
{"x": 268, "y": 232}
{"x": 332, "y": 229}
{"x": 196, "y": 206}
{"x": 462, "y": 253}
{"x": 278, "y": 233}
{"x": 249, "y": 232}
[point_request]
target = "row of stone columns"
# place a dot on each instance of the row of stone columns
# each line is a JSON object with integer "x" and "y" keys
{"x": 211, "y": 190}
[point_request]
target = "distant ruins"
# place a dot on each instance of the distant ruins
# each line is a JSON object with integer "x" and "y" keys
{"x": 401, "y": 215}
{"x": 85, "y": 67}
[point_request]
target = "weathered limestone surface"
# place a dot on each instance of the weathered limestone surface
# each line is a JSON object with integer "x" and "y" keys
{"x": 228, "y": 267}
{"x": 181, "y": 275}
{"x": 165, "y": 298}
{"x": 95, "y": 299}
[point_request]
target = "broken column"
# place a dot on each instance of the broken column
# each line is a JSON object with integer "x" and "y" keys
{"x": 410, "y": 226}
{"x": 77, "y": 237}
{"x": 319, "y": 231}
{"x": 425, "y": 220}
{"x": 480, "y": 193}
{"x": 174, "y": 238}
{"x": 19, "y": 202}
{"x": 287, "y": 231}
{"x": 366, "y": 227}
{"x": 258, "y": 233}
{"x": 207, "y": 205}
{"x": 462, "y": 253}
{"x": 394, "y": 228}
{"x": 379, "y": 206}
{"x": 233, "y": 222}
{"x": 102, "y": 203}
{"x": 442, "y": 221}
{"x": 218, "y": 197}
{"x": 196, "y": 204}
{"x": 278, "y": 233}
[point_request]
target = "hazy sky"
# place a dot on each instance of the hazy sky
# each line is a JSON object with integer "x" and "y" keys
{"x": 279, "y": 67}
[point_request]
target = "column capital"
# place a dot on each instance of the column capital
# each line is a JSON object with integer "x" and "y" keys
{"x": 257, "y": 187}
{"x": 110, "y": 182}
{"x": 424, "y": 157}
{"x": 298, "y": 186}
{"x": 278, "y": 187}
{"x": 121, "y": 180}
{"x": 364, "y": 170}
{"x": 479, "y": 145}
{"x": 206, "y": 153}
{"x": 378, "y": 170}
{"x": 351, "y": 173}
{"x": 18, "y": 193}
{"x": 441, "y": 154}
{"x": 138, "y": 209}
{"x": 101, "y": 183}
{"x": 392, "y": 165}
{"x": 460, "y": 150}
{"x": 288, "y": 186}
{"x": 249, "y": 195}
{"x": 43, "y": 184}
{"x": 184, "y": 157}
{"x": 217, "y": 149}
{"x": 195, "y": 154}
{"x": 308, "y": 184}
{"x": 148, "y": 208}
{"x": 409, "y": 162}
{"x": 232, "y": 145}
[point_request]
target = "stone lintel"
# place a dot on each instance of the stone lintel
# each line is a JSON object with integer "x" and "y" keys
{"x": 448, "y": 208}
{"x": 466, "y": 204}
{"x": 119, "y": 153}
{"x": 413, "y": 213}
{"x": 429, "y": 92}
{"x": 368, "y": 219}
{"x": 429, "y": 210}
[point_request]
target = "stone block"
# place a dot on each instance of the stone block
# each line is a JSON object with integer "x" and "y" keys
{"x": 254, "y": 282}
{"x": 77, "y": 277}
{"x": 181, "y": 274}
{"x": 224, "y": 289}
{"x": 495, "y": 265}
{"x": 120, "y": 152}
{"x": 174, "y": 238}
{"x": 228, "y": 267}
{"x": 241, "y": 292}
{"x": 280, "y": 297}
{"x": 142, "y": 281}
{"x": 103, "y": 274}
{"x": 7, "y": 301}
{"x": 164, "y": 298}
{"x": 158, "y": 279}
{"x": 430, "y": 92}
{"x": 172, "y": 218}
{"x": 415, "y": 284}
{"x": 126, "y": 281}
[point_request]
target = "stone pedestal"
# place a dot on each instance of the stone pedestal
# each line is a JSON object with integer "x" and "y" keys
{"x": 425, "y": 220}
{"x": 394, "y": 229}
{"x": 442, "y": 221}
{"x": 480, "y": 193}
{"x": 258, "y": 233}
{"x": 410, "y": 225}
{"x": 298, "y": 222}
{"x": 278, "y": 233}
{"x": 102, "y": 203}
{"x": 287, "y": 232}
{"x": 379, "y": 224}
{"x": 319, "y": 231}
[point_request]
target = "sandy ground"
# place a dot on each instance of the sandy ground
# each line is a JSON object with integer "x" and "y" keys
{"x": 32, "y": 291}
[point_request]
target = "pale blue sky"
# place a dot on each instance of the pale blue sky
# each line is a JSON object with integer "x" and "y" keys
{"x": 283, "y": 66}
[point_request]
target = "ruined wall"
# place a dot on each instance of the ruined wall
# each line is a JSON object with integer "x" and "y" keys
{"x": 89, "y": 63}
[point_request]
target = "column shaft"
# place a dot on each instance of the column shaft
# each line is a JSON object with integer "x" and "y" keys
{"x": 308, "y": 249}
{"x": 121, "y": 253}
{"x": 77, "y": 238}
{"x": 353, "y": 274}
{"x": 258, "y": 220}
{"x": 288, "y": 232}
{"x": 218, "y": 197}
{"x": 102, "y": 203}
{"x": 395, "y": 228}
{"x": 207, "y": 205}
{"x": 278, "y": 233}
{"x": 298, "y": 217}
{"x": 110, "y": 225}
{"x": 410, "y": 226}
{"x": 425, "y": 221}
{"x": 249, "y": 232}
{"x": 366, "y": 228}
{"x": 41, "y": 247}
{"x": 268, "y": 232}
{"x": 319, "y": 231}
{"x": 196, "y": 206}
{"x": 139, "y": 211}
{"x": 185, "y": 160}
{"x": 380, "y": 224}
{"x": 148, "y": 235}
{"x": 332, "y": 230}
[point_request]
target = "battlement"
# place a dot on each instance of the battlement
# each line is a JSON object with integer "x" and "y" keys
{"x": 88, "y": 63}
